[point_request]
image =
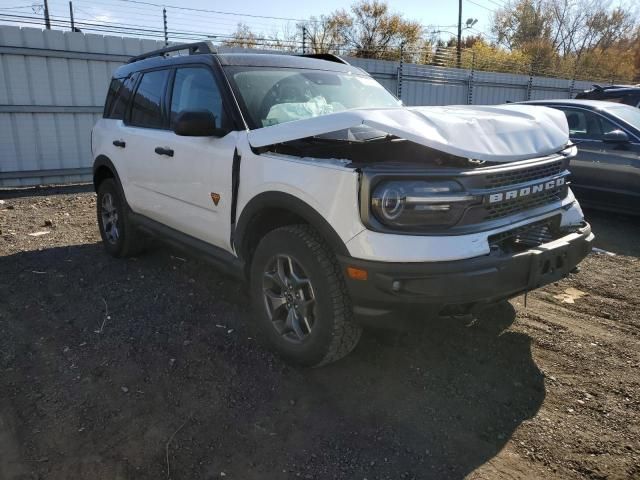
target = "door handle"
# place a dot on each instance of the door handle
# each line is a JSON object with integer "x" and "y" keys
{"x": 164, "y": 151}
{"x": 119, "y": 143}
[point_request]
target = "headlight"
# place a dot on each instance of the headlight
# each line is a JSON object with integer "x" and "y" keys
{"x": 401, "y": 203}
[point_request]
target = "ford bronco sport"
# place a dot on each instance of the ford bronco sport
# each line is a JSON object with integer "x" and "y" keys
{"x": 338, "y": 205}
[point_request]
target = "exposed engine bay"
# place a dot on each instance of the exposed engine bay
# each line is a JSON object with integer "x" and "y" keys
{"x": 363, "y": 145}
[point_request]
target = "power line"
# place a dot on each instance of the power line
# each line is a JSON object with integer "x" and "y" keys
{"x": 481, "y": 6}
{"x": 18, "y": 8}
{"x": 140, "y": 30}
{"x": 219, "y": 12}
{"x": 204, "y": 19}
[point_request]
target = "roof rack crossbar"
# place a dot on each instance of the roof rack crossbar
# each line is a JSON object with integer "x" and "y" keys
{"x": 193, "y": 49}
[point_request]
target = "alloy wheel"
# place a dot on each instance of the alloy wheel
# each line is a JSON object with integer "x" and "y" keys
{"x": 289, "y": 298}
{"x": 109, "y": 214}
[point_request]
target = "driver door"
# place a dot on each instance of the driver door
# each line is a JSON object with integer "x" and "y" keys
{"x": 194, "y": 173}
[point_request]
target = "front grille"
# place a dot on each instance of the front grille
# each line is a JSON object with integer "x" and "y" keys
{"x": 527, "y": 236}
{"x": 526, "y": 203}
{"x": 513, "y": 177}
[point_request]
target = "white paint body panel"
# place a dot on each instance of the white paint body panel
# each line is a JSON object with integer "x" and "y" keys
{"x": 328, "y": 187}
{"x": 503, "y": 133}
{"x": 176, "y": 191}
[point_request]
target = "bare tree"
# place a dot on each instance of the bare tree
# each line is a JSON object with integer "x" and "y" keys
{"x": 243, "y": 37}
{"x": 565, "y": 27}
{"x": 324, "y": 33}
{"x": 372, "y": 30}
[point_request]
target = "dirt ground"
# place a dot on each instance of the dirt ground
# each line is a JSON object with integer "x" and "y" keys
{"x": 148, "y": 368}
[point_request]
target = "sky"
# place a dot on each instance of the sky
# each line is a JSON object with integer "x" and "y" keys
{"x": 440, "y": 15}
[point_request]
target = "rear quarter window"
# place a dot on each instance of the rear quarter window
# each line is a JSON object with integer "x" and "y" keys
{"x": 118, "y": 98}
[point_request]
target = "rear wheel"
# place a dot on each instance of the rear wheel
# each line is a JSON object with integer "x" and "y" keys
{"x": 119, "y": 237}
{"x": 300, "y": 299}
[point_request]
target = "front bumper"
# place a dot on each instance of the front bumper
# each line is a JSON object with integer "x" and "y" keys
{"x": 460, "y": 286}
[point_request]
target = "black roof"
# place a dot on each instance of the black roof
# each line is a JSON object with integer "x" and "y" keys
{"x": 609, "y": 91}
{"x": 590, "y": 104}
{"x": 286, "y": 61}
{"x": 240, "y": 59}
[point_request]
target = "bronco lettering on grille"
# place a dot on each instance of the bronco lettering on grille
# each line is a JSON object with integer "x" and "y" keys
{"x": 523, "y": 192}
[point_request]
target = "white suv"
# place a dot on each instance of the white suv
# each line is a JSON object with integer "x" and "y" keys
{"x": 338, "y": 205}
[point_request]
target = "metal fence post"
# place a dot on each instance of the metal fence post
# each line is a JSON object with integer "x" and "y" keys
{"x": 304, "y": 39}
{"x": 166, "y": 34}
{"x": 572, "y": 86}
{"x": 530, "y": 83}
{"x": 399, "y": 74}
{"x": 470, "y": 89}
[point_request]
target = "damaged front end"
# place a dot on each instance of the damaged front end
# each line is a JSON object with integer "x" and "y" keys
{"x": 517, "y": 170}
{"x": 462, "y": 207}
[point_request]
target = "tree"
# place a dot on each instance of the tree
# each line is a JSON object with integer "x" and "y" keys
{"x": 324, "y": 34}
{"x": 372, "y": 30}
{"x": 565, "y": 26}
{"x": 243, "y": 37}
{"x": 519, "y": 23}
{"x": 558, "y": 33}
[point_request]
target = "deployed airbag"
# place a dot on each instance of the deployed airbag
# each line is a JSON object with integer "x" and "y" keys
{"x": 292, "y": 111}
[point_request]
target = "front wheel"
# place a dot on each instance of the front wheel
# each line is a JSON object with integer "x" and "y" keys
{"x": 300, "y": 299}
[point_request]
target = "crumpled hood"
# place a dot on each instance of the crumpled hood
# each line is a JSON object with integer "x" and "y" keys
{"x": 502, "y": 133}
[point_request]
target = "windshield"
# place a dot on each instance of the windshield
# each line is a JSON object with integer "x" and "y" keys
{"x": 277, "y": 95}
{"x": 631, "y": 115}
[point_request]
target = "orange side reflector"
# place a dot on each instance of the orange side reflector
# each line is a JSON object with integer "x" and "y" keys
{"x": 357, "y": 273}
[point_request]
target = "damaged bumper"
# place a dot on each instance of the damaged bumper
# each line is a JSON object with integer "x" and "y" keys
{"x": 460, "y": 286}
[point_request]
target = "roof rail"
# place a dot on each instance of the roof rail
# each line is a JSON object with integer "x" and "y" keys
{"x": 329, "y": 57}
{"x": 193, "y": 49}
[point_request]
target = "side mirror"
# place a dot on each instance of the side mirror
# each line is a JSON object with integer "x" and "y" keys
{"x": 615, "y": 136}
{"x": 199, "y": 123}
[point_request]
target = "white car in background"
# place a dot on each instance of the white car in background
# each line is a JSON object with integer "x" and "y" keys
{"x": 338, "y": 206}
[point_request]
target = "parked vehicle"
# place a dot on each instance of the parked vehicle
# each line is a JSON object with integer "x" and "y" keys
{"x": 339, "y": 206}
{"x": 605, "y": 174}
{"x": 625, "y": 94}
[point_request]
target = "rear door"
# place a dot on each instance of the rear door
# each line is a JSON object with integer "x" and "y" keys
{"x": 146, "y": 125}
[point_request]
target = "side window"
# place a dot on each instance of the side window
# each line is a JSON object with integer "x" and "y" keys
{"x": 587, "y": 125}
{"x": 146, "y": 108}
{"x": 118, "y": 98}
{"x": 195, "y": 89}
{"x": 633, "y": 100}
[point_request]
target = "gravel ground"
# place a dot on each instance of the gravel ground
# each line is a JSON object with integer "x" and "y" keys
{"x": 148, "y": 368}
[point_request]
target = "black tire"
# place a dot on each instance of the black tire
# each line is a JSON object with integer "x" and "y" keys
{"x": 127, "y": 240}
{"x": 333, "y": 333}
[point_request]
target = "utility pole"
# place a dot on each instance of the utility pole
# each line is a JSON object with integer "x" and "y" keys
{"x": 73, "y": 27}
{"x": 166, "y": 34}
{"x": 459, "y": 46}
{"x": 47, "y": 21}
